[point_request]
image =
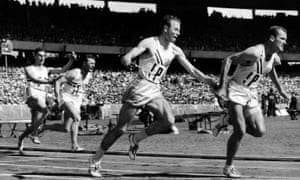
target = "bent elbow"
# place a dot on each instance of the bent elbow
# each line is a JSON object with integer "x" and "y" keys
{"x": 125, "y": 60}
{"x": 227, "y": 60}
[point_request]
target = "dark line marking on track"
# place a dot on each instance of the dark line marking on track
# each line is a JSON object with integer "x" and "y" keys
{"x": 169, "y": 155}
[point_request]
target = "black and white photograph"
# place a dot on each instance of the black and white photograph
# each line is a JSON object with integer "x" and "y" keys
{"x": 149, "y": 89}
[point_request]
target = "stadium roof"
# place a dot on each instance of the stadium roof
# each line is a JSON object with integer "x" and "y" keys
{"x": 256, "y": 4}
{"x": 245, "y": 4}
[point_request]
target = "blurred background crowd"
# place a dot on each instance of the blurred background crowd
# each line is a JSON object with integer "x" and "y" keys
{"x": 107, "y": 87}
{"x": 41, "y": 22}
{"x": 38, "y": 21}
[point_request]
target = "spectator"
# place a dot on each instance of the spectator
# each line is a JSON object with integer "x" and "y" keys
{"x": 272, "y": 101}
{"x": 293, "y": 109}
{"x": 264, "y": 103}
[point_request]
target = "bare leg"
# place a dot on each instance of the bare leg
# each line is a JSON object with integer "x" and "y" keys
{"x": 35, "y": 122}
{"x": 1, "y": 130}
{"x": 164, "y": 119}
{"x": 127, "y": 113}
{"x": 71, "y": 123}
{"x": 255, "y": 122}
{"x": 238, "y": 121}
{"x": 39, "y": 120}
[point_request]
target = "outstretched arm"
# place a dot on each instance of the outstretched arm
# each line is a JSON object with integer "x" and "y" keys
{"x": 274, "y": 77}
{"x": 31, "y": 74}
{"x": 226, "y": 64}
{"x": 194, "y": 71}
{"x": 72, "y": 58}
{"x": 126, "y": 60}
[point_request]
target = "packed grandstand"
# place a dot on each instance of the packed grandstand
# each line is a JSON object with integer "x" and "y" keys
{"x": 40, "y": 22}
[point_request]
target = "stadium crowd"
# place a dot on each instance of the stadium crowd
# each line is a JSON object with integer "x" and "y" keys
{"x": 107, "y": 87}
{"x": 43, "y": 22}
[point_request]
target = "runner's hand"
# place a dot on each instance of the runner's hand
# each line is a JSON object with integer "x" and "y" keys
{"x": 221, "y": 92}
{"x": 72, "y": 56}
{"x": 133, "y": 67}
{"x": 59, "y": 103}
{"x": 213, "y": 85}
{"x": 51, "y": 80}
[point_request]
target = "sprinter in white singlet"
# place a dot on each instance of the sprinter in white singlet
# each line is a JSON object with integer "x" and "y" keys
{"x": 241, "y": 90}
{"x": 155, "y": 56}
{"x": 37, "y": 81}
{"x": 69, "y": 91}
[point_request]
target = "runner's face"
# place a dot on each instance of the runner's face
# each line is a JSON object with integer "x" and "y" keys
{"x": 90, "y": 64}
{"x": 40, "y": 57}
{"x": 280, "y": 40}
{"x": 173, "y": 30}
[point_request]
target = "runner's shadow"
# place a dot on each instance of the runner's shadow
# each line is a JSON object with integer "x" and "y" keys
{"x": 14, "y": 153}
{"x": 150, "y": 175}
{"x": 173, "y": 175}
{"x": 6, "y": 153}
{"x": 48, "y": 174}
{"x": 26, "y": 155}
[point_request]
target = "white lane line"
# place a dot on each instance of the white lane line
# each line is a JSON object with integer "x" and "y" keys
{"x": 182, "y": 164}
{"x": 147, "y": 172}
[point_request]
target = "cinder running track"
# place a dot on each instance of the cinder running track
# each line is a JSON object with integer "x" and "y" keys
{"x": 54, "y": 164}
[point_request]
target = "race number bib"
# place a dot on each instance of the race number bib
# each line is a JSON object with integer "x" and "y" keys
{"x": 251, "y": 78}
{"x": 151, "y": 70}
{"x": 76, "y": 89}
{"x": 156, "y": 72}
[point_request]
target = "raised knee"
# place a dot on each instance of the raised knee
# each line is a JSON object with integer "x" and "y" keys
{"x": 260, "y": 133}
{"x": 111, "y": 137}
{"x": 240, "y": 133}
{"x": 67, "y": 130}
{"x": 77, "y": 119}
{"x": 45, "y": 110}
{"x": 167, "y": 125}
{"x": 118, "y": 131}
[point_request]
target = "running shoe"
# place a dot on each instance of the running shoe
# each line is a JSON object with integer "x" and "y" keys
{"x": 133, "y": 147}
{"x": 231, "y": 172}
{"x": 20, "y": 146}
{"x": 35, "y": 139}
{"x": 218, "y": 128}
{"x": 174, "y": 130}
{"x": 94, "y": 169}
{"x": 221, "y": 125}
{"x": 77, "y": 149}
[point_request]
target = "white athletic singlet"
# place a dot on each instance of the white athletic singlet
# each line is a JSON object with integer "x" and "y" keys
{"x": 75, "y": 85}
{"x": 250, "y": 75}
{"x": 242, "y": 88}
{"x": 153, "y": 68}
{"x": 34, "y": 89}
{"x": 153, "y": 65}
{"x": 39, "y": 73}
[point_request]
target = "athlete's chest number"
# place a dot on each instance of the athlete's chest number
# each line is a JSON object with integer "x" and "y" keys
{"x": 76, "y": 89}
{"x": 251, "y": 78}
{"x": 156, "y": 71}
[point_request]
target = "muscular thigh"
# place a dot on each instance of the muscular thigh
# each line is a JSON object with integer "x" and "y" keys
{"x": 255, "y": 118}
{"x": 237, "y": 117}
{"x": 36, "y": 103}
{"x": 127, "y": 114}
{"x": 71, "y": 110}
{"x": 161, "y": 109}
